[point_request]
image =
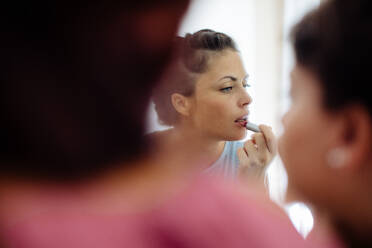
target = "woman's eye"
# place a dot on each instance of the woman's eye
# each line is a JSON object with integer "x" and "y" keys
{"x": 245, "y": 85}
{"x": 227, "y": 89}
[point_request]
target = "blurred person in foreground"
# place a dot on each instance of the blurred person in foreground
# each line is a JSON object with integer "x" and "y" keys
{"x": 76, "y": 80}
{"x": 326, "y": 146}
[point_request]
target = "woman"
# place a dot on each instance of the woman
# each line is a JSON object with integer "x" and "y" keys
{"x": 204, "y": 97}
{"x": 327, "y": 141}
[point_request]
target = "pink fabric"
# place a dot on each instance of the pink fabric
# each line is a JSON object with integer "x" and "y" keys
{"x": 208, "y": 213}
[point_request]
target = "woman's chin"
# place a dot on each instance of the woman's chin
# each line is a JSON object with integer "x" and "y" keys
{"x": 237, "y": 136}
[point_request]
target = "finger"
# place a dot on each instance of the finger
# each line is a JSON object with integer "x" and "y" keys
{"x": 269, "y": 138}
{"x": 252, "y": 138}
{"x": 244, "y": 162}
{"x": 260, "y": 142}
{"x": 263, "y": 154}
{"x": 243, "y": 157}
{"x": 250, "y": 149}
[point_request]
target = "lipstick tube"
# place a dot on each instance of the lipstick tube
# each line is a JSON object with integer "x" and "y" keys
{"x": 252, "y": 127}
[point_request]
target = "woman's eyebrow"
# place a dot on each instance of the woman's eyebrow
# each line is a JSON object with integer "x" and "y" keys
{"x": 232, "y": 78}
{"x": 228, "y": 77}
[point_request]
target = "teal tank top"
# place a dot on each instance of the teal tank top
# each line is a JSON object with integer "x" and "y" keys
{"x": 228, "y": 163}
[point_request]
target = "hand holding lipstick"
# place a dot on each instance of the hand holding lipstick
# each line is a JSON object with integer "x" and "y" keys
{"x": 257, "y": 153}
{"x": 252, "y": 127}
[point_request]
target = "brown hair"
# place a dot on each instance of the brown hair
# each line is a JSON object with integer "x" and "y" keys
{"x": 335, "y": 43}
{"x": 70, "y": 74}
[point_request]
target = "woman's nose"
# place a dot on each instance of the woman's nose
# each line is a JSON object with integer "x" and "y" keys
{"x": 284, "y": 119}
{"x": 245, "y": 99}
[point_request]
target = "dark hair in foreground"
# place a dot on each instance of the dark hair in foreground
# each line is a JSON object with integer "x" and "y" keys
{"x": 76, "y": 80}
{"x": 335, "y": 43}
{"x": 191, "y": 57}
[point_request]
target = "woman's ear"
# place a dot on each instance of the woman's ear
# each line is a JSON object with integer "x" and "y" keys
{"x": 181, "y": 104}
{"x": 356, "y": 139}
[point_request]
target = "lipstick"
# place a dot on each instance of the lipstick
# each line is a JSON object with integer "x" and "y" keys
{"x": 252, "y": 127}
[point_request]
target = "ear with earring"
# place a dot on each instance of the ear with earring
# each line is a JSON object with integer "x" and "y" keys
{"x": 336, "y": 157}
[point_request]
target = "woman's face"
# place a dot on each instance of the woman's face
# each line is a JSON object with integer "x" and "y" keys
{"x": 309, "y": 131}
{"x": 220, "y": 98}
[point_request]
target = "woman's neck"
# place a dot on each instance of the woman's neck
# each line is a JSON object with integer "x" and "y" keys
{"x": 351, "y": 231}
{"x": 194, "y": 146}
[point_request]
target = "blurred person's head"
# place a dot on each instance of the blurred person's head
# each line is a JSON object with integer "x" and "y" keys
{"x": 76, "y": 79}
{"x": 327, "y": 141}
{"x": 204, "y": 87}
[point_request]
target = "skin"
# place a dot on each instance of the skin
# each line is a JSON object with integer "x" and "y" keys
{"x": 221, "y": 89}
{"x": 311, "y": 132}
{"x": 208, "y": 117}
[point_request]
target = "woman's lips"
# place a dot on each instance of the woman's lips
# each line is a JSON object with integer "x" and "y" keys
{"x": 242, "y": 122}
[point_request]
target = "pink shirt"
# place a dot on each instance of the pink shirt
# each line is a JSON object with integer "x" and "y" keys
{"x": 208, "y": 213}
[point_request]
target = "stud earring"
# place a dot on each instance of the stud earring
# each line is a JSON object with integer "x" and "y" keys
{"x": 336, "y": 158}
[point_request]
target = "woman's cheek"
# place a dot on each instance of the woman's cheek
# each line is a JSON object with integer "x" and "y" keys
{"x": 287, "y": 143}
